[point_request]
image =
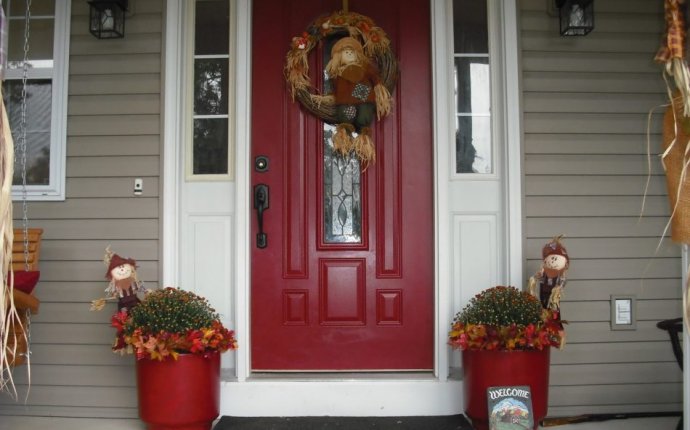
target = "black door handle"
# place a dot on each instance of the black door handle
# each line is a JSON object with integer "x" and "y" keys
{"x": 261, "y": 204}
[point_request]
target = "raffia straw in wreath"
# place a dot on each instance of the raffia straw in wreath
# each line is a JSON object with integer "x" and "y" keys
{"x": 376, "y": 46}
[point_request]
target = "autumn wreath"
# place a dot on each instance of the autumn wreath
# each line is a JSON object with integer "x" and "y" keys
{"x": 373, "y": 43}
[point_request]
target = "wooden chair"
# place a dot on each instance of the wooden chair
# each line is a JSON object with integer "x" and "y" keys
{"x": 26, "y": 303}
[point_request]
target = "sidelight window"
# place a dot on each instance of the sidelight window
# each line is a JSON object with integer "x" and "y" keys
{"x": 472, "y": 83}
{"x": 209, "y": 155}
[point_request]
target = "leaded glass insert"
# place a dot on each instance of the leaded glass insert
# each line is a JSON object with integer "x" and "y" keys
{"x": 342, "y": 194}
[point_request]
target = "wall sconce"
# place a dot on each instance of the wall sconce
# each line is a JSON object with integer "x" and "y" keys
{"x": 107, "y": 18}
{"x": 576, "y": 16}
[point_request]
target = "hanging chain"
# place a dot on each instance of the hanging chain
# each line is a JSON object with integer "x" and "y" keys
{"x": 22, "y": 135}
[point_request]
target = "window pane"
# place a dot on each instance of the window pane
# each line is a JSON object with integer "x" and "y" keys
{"x": 40, "y": 43}
{"x": 210, "y": 151}
{"x": 473, "y": 144}
{"x": 38, "y": 117}
{"x": 472, "y": 83}
{"x": 212, "y": 27}
{"x": 38, "y": 7}
{"x": 211, "y": 87}
{"x": 470, "y": 27}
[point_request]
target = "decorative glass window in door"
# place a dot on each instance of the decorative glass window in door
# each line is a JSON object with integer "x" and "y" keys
{"x": 473, "y": 143}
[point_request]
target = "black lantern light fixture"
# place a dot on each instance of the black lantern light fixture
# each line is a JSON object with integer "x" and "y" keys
{"x": 576, "y": 16}
{"x": 107, "y": 18}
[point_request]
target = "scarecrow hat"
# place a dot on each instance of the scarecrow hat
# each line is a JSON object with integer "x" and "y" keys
{"x": 115, "y": 261}
{"x": 347, "y": 42}
{"x": 555, "y": 247}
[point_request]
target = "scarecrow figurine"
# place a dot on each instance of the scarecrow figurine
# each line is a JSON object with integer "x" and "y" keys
{"x": 358, "y": 96}
{"x": 124, "y": 284}
{"x": 550, "y": 279}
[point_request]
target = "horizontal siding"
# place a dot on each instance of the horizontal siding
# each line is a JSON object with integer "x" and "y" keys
{"x": 120, "y": 232}
{"x": 97, "y": 208}
{"x": 599, "y": 206}
{"x": 621, "y": 247}
{"x": 592, "y": 122}
{"x": 614, "y": 373}
{"x": 101, "y": 64}
{"x": 115, "y": 104}
{"x": 594, "y": 185}
{"x": 86, "y": 355}
{"x": 113, "y": 137}
{"x": 72, "y": 395}
{"x": 103, "y": 88}
{"x": 109, "y": 125}
{"x": 611, "y": 9}
{"x": 566, "y": 123}
{"x": 593, "y": 164}
{"x": 591, "y": 226}
{"x": 100, "y": 146}
{"x": 142, "y": 165}
{"x": 593, "y": 102}
{"x": 612, "y": 353}
{"x": 90, "y": 187}
{"x": 81, "y": 292}
{"x": 81, "y": 375}
{"x": 615, "y": 397}
{"x": 589, "y": 62}
{"x": 621, "y": 143}
{"x": 572, "y": 83}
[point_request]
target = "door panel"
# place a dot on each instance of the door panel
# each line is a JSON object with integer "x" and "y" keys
{"x": 346, "y": 281}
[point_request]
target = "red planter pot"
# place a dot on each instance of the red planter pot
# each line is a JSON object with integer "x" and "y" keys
{"x": 484, "y": 369}
{"x": 182, "y": 394}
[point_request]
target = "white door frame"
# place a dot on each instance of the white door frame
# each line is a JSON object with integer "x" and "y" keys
{"x": 245, "y": 394}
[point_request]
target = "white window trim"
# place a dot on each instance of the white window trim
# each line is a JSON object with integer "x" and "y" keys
{"x": 58, "y": 128}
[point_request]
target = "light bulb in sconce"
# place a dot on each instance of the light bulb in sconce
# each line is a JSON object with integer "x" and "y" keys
{"x": 107, "y": 20}
{"x": 577, "y": 16}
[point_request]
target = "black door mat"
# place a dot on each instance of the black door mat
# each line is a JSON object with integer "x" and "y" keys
{"x": 454, "y": 422}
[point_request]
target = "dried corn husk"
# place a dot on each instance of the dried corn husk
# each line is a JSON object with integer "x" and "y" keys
{"x": 11, "y": 328}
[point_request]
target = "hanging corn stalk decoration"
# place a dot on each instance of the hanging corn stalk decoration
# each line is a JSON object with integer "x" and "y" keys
{"x": 10, "y": 322}
{"x": 675, "y": 157}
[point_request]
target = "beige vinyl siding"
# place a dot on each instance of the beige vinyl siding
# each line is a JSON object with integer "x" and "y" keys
{"x": 113, "y": 136}
{"x": 586, "y": 101}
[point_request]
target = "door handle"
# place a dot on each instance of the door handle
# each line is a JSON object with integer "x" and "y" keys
{"x": 261, "y": 204}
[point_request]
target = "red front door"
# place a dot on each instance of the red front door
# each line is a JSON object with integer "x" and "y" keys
{"x": 346, "y": 280}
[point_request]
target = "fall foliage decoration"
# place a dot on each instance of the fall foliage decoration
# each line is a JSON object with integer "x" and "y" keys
{"x": 505, "y": 319}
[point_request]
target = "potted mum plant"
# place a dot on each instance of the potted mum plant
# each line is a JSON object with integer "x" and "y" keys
{"x": 505, "y": 336}
{"x": 177, "y": 338}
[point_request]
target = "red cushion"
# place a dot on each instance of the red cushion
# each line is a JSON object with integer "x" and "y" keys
{"x": 26, "y": 281}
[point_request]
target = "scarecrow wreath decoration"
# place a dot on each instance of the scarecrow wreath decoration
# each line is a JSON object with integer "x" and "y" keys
{"x": 363, "y": 71}
{"x": 675, "y": 156}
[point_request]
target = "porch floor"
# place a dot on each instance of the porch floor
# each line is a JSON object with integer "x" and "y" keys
{"x": 53, "y": 423}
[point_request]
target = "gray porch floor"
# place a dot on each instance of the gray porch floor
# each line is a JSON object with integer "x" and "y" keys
{"x": 52, "y": 423}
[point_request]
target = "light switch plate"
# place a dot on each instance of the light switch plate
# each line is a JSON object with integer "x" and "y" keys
{"x": 623, "y": 313}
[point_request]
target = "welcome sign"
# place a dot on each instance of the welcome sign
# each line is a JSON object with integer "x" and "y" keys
{"x": 510, "y": 408}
